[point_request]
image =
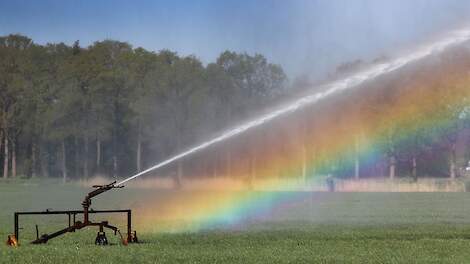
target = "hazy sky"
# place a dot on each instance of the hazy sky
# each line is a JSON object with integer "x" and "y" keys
{"x": 305, "y": 37}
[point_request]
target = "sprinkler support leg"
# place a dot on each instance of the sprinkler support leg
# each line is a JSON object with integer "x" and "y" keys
{"x": 129, "y": 226}
{"x": 17, "y": 235}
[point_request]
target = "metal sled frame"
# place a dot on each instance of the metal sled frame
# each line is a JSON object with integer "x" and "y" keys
{"x": 73, "y": 224}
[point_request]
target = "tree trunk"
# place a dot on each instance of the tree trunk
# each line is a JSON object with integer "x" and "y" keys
{"x": 228, "y": 154}
{"x": 139, "y": 148}
{"x": 312, "y": 157}
{"x": 356, "y": 168}
{"x": 304, "y": 162}
{"x": 77, "y": 158}
{"x": 64, "y": 162}
{"x": 115, "y": 133}
{"x": 253, "y": 161}
{"x": 98, "y": 154}
{"x": 33, "y": 159}
{"x": 115, "y": 166}
{"x": 356, "y": 159}
{"x": 85, "y": 158}
{"x": 304, "y": 149}
{"x": 452, "y": 163}
{"x": 179, "y": 164}
{"x": 414, "y": 170}
{"x": 392, "y": 167}
{"x": 1, "y": 139}
{"x": 115, "y": 158}
{"x": 13, "y": 158}
{"x": 392, "y": 159}
{"x": 179, "y": 174}
{"x": 43, "y": 155}
{"x": 6, "y": 158}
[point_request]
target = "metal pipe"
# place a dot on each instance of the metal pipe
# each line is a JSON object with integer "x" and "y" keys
{"x": 17, "y": 235}
{"x": 129, "y": 226}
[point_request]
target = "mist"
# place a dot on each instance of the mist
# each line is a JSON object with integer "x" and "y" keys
{"x": 324, "y": 34}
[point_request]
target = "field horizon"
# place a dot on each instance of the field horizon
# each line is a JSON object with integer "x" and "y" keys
{"x": 319, "y": 227}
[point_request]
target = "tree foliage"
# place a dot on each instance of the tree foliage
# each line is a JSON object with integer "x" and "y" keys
{"x": 112, "y": 109}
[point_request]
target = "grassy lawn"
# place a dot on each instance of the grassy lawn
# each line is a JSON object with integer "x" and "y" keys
{"x": 325, "y": 228}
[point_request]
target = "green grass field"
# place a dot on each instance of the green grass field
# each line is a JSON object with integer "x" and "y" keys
{"x": 326, "y": 228}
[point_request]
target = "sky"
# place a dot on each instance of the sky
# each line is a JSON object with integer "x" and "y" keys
{"x": 306, "y": 37}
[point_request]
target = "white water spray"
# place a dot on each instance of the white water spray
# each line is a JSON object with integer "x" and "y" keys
{"x": 453, "y": 38}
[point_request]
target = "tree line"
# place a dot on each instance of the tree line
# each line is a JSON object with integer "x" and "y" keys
{"x": 111, "y": 109}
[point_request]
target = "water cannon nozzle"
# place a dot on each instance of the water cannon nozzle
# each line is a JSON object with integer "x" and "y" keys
{"x": 108, "y": 186}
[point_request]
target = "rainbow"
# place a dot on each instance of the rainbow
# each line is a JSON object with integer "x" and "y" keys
{"x": 419, "y": 102}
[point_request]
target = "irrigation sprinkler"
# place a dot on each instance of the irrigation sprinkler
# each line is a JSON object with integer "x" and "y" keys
{"x": 74, "y": 225}
{"x": 327, "y": 90}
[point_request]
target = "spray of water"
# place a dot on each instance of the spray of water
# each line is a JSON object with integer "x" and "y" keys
{"x": 454, "y": 38}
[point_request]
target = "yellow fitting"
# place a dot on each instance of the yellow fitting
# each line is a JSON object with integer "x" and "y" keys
{"x": 11, "y": 241}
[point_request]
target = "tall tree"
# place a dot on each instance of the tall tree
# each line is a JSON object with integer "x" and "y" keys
{"x": 15, "y": 68}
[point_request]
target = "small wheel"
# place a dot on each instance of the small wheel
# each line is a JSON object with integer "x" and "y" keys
{"x": 101, "y": 239}
{"x": 134, "y": 238}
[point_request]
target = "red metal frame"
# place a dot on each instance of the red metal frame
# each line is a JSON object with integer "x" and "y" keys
{"x": 74, "y": 225}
